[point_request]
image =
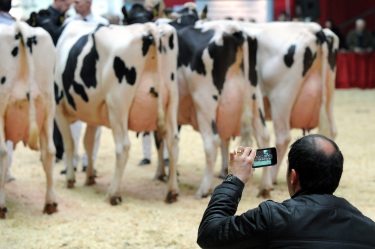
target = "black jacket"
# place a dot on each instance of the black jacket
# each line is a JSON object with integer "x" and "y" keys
{"x": 304, "y": 221}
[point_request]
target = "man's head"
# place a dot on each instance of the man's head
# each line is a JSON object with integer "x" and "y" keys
{"x": 82, "y": 7}
{"x": 315, "y": 165}
{"x": 5, "y": 5}
{"x": 360, "y": 25}
{"x": 62, "y": 5}
{"x": 328, "y": 24}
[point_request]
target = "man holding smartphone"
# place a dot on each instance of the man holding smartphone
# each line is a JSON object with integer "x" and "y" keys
{"x": 312, "y": 218}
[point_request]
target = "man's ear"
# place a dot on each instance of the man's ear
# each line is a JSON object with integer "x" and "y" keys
{"x": 294, "y": 179}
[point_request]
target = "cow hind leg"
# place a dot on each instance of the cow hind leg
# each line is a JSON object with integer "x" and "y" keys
{"x": 211, "y": 142}
{"x": 89, "y": 144}
{"x": 282, "y": 142}
{"x": 224, "y": 158}
{"x": 66, "y": 135}
{"x": 160, "y": 171}
{"x": 48, "y": 152}
{"x": 122, "y": 146}
{"x": 3, "y": 172}
{"x": 172, "y": 145}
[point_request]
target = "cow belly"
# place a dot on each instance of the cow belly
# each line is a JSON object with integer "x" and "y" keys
{"x": 17, "y": 119}
{"x": 229, "y": 112}
{"x": 143, "y": 111}
{"x": 305, "y": 113}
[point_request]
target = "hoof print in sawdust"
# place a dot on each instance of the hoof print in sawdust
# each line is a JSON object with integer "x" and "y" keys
{"x": 50, "y": 208}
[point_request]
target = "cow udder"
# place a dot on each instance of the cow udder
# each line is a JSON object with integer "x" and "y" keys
{"x": 305, "y": 113}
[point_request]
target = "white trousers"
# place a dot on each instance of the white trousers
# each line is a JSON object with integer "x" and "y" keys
{"x": 147, "y": 147}
{"x": 75, "y": 129}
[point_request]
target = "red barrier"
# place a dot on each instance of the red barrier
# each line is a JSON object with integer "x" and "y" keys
{"x": 355, "y": 70}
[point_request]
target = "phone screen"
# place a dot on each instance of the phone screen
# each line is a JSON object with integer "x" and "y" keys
{"x": 265, "y": 157}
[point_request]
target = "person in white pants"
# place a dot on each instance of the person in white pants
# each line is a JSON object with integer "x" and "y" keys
{"x": 147, "y": 149}
{"x": 9, "y": 176}
{"x": 75, "y": 129}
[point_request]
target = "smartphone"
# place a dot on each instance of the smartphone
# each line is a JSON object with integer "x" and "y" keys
{"x": 265, "y": 157}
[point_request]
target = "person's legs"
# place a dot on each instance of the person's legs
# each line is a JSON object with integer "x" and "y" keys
{"x": 98, "y": 132}
{"x": 57, "y": 139}
{"x": 75, "y": 129}
{"x": 146, "y": 148}
{"x": 9, "y": 176}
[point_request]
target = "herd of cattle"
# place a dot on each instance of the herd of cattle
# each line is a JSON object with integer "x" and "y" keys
{"x": 225, "y": 78}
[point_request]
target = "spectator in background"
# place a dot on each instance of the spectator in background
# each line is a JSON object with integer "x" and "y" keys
{"x": 283, "y": 17}
{"x": 359, "y": 39}
{"x": 56, "y": 13}
{"x": 329, "y": 24}
{"x": 58, "y": 9}
{"x": 83, "y": 10}
{"x": 5, "y": 17}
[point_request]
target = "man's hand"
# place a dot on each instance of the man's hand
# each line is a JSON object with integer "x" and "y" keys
{"x": 241, "y": 163}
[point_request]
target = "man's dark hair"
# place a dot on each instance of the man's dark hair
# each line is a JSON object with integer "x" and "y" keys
{"x": 318, "y": 171}
{"x": 5, "y": 5}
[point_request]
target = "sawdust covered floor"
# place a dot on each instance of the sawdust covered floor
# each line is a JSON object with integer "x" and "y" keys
{"x": 143, "y": 220}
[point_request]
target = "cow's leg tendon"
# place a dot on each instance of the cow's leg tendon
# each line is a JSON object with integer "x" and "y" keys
{"x": 66, "y": 135}
{"x": 3, "y": 172}
{"x": 48, "y": 152}
{"x": 160, "y": 171}
{"x": 225, "y": 157}
{"x": 88, "y": 142}
{"x": 172, "y": 144}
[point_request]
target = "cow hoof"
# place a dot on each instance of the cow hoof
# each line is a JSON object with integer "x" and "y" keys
{"x": 90, "y": 181}
{"x": 162, "y": 178}
{"x": 3, "y": 211}
{"x": 171, "y": 197}
{"x": 50, "y": 208}
{"x": 115, "y": 200}
{"x": 265, "y": 193}
{"x": 70, "y": 183}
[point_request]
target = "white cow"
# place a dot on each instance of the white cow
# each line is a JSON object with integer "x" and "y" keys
{"x": 123, "y": 77}
{"x": 295, "y": 67}
{"x": 214, "y": 89}
{"x": 27, "y": 99}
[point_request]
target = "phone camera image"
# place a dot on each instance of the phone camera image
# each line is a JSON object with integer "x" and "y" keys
{"x": 265, "y": 157}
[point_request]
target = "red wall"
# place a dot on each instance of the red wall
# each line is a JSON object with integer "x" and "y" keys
{"x": 170, "y": 3}
{"x": 339, "y": 11}
{"x": 344, "y": 10}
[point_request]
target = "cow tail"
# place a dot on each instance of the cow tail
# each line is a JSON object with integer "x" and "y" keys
{"x": 161, "y": 123}
{"x": 323, "y": 119}
{"x": 247, "y": 117}
{"x": 24, "y": 31}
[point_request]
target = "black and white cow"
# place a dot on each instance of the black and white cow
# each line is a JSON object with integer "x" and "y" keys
{"x": 296, "y": 68}
{"x": 214, "y": 89}
{"x": 123, "y": 77}
{"x": 27, "y": 99}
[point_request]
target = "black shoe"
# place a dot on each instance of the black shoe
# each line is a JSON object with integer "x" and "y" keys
{"x": 166, "y": 162}
{"x": 63, "y": 172}
{"x": 144, "y": 161}
{"x": 84, "y": 167}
